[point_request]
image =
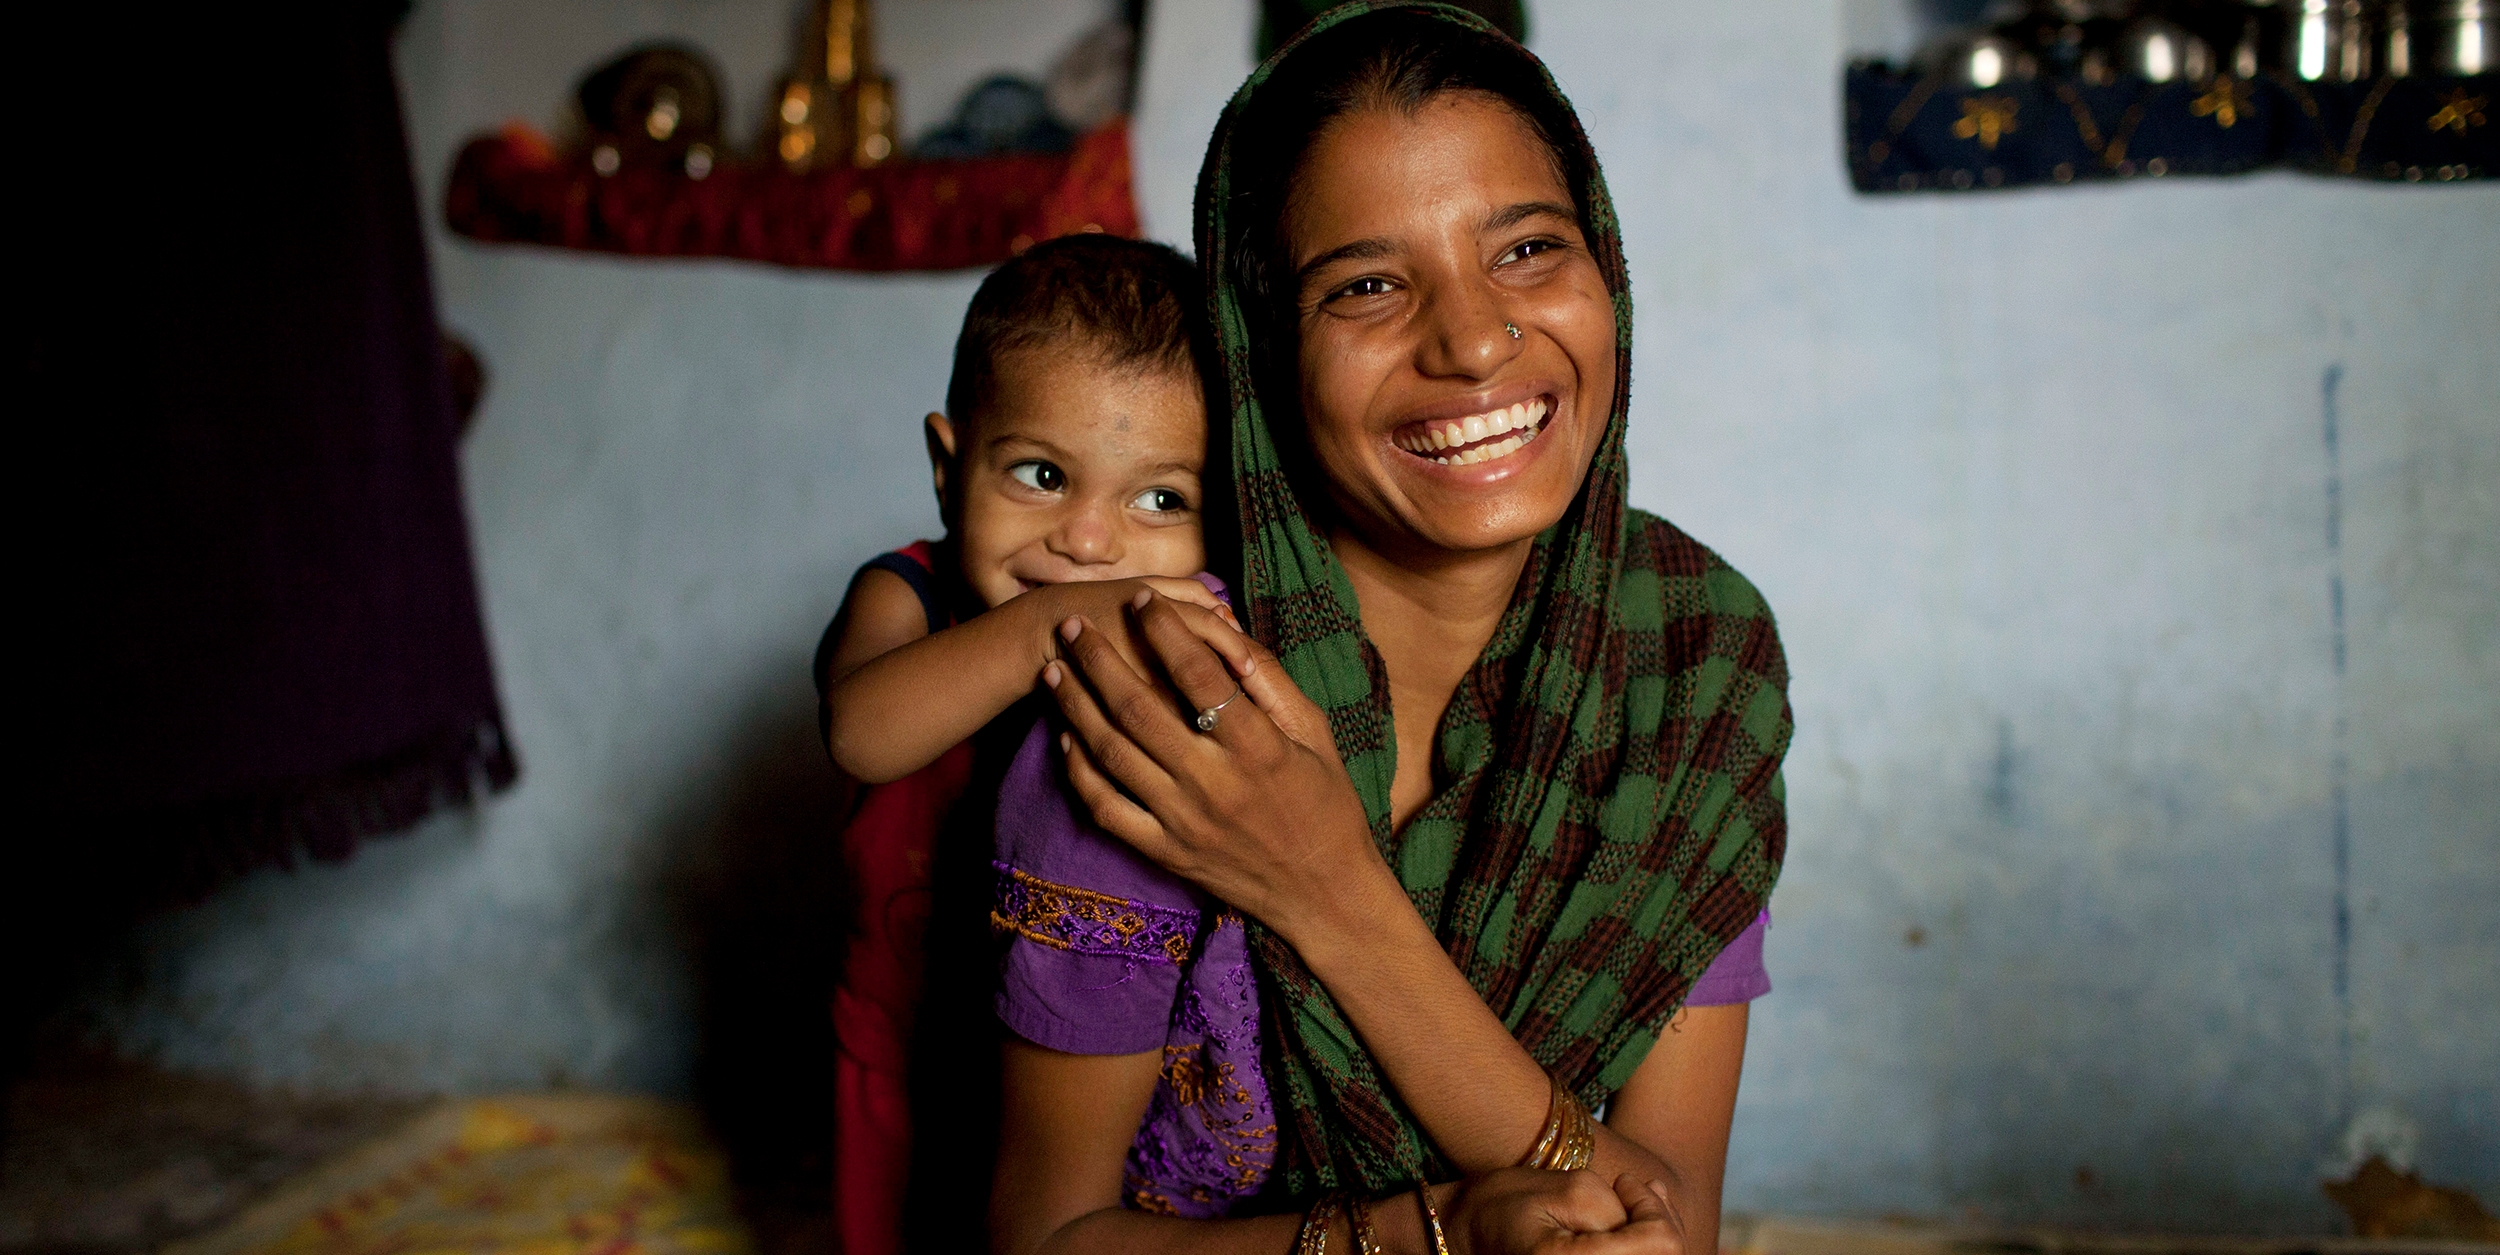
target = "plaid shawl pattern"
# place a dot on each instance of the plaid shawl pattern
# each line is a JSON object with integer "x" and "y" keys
{"x": 1609, "y": 811}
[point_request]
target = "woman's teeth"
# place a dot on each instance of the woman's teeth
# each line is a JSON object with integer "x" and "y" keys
{"x": 1466, "y": 441}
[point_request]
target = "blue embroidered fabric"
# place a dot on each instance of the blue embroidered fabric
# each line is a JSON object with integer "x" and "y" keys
{"x": 1910, "y": 133}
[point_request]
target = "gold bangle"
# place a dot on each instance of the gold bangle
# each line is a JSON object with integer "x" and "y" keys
{"x": 1569, "y": 1142}
{"x": 1359, "y": 1218}
{"x": 1432, "y": 1220}
{"x": 1579, "y": 1144}
{"x": 1313, "y": 1239}
{"x": 1545, "y": 1139}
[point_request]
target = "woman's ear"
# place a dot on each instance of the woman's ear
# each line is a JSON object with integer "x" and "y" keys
{"x": 940, "y": 432}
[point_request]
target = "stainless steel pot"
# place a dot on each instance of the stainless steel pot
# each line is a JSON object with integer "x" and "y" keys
{"x": 2329, "y": 40}
{"x": 2442, "y": 37}
{"x": 1976, "y": 59}
{"x": 2162, "y": 51}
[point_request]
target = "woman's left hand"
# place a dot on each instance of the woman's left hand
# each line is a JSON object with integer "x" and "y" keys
{"x": 1529, "y": 1211}
{"x": 1258, "y": 811}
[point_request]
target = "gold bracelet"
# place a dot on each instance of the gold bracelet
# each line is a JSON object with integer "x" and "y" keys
{"x": 1545, "y": 1140}
{"x": 1359, "y": 1218}
{"x": 1313, "y": 1239}
{"x": 1432, "y": 1219}
{"x": 1578, "y": 1147}
{"x": 1569, "y": 1141}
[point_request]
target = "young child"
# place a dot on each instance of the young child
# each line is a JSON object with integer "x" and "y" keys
{"x": 1068, "y": 467}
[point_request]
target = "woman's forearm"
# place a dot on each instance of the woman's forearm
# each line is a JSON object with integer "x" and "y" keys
{"x": 1478, "y": 1094}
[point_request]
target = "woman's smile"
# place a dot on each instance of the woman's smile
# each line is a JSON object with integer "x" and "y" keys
{"x": 1489, "y": 435}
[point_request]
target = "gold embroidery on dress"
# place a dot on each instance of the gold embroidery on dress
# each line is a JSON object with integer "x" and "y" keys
{"x": 1065, "y": 917}
{"x": 1226, "y": 1108}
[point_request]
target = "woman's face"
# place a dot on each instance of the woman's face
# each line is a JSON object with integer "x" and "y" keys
{"x": 1417, "y": 241}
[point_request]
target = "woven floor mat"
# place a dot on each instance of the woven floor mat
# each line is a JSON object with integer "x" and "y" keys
{"x": 524, "y": 1175}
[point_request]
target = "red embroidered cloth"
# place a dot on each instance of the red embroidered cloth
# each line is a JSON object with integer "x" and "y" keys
{"x": 910, "y": 215}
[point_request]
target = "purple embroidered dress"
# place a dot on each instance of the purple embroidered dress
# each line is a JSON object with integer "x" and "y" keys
{"x": 1108, "y": 954}
{"x": 1113, "y": 955}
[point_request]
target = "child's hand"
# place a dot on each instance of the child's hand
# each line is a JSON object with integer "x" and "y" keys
{"x": 1190, "y": 591}
{"x": 1101, "y": 600}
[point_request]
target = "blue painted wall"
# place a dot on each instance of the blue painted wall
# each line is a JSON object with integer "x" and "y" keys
{"x": 2134, "y": 546}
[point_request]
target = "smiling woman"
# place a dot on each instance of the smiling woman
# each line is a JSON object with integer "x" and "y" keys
{"x": 1507, "y": 789}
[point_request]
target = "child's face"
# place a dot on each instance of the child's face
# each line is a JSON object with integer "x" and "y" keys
{"x": 1077, "y": 471}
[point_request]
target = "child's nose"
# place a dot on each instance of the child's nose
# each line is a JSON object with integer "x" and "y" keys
{"x": 1088, "y": 535}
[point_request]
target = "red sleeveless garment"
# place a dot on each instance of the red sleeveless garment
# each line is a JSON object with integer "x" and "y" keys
{"x": 886, "y": 848}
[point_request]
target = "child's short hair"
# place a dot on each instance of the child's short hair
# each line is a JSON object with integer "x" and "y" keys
{"x": 1123, "y": 300}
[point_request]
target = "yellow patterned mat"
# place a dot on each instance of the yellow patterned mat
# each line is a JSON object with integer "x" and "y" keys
{"x": 534, "y": 1175}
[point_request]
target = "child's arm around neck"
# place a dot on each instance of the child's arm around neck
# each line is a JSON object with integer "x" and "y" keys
{"x": 898, "y": 696}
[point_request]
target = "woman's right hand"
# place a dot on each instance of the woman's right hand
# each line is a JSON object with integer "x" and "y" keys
{"x": 1257, "y": 810}
{"x": 1530, "y": 1211}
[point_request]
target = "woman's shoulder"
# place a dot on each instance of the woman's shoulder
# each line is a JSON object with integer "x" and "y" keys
{"x": 1692, "y": 577}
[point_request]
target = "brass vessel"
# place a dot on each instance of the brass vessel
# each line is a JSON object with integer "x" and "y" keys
{"x": 838, "y": 109}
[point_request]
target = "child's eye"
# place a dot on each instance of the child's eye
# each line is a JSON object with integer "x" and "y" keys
{"x": 1040, "y": 476}
{"x": 1160, "y": 501}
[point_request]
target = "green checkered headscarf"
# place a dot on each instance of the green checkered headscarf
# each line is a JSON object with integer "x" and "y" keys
{"x": 1607, "y": 813}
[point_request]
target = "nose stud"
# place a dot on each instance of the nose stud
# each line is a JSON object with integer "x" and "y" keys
{"x": 1512, "y": 328}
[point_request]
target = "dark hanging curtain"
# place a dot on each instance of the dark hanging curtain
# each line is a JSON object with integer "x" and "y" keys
{"x": 256, "y": 629}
